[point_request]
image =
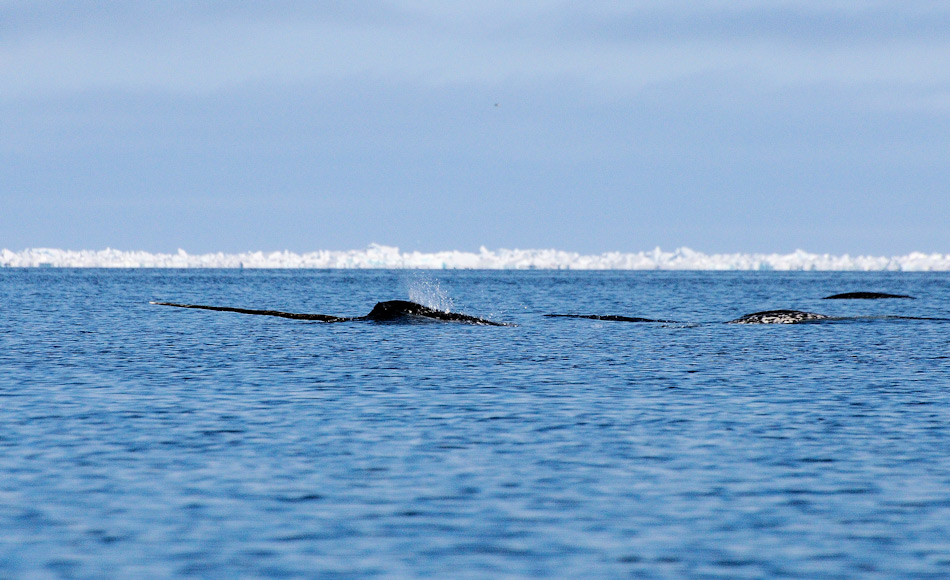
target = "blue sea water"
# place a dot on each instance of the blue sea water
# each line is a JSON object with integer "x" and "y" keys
{"x": 141, "y": 441}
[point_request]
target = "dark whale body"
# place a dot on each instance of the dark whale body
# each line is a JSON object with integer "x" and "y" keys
{"x": 764, "y": 317}
{"x": 778, "y": 317}
{"x": 610, "y": 317}
{"x": 394, "y": 310}
{"x": 390, "y": 311}
{"x": 294, "y": 315}
{"x": 864, "y": 296}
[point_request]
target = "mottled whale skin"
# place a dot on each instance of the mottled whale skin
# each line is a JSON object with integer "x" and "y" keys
{"x": 610, "y": 317}
{"x": 389, "y": 311}
{"x": 864, "y": 296}
{"x": 778, "y": 317}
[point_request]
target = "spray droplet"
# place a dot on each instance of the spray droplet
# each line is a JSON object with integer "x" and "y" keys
{"x": 429, "y": 292}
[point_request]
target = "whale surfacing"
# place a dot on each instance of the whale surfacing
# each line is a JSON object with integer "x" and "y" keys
{"x": 778, "y": 317}
{"x": 393, "y": 310}
{"x": 610, "y": 317}
{"x": 293, "y": 315}
{"x": 865, "y": 296}
{"x": 389, "y": 311}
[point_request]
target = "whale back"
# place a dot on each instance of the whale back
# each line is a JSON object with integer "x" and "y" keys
{"x": 864, "y": 296}
{"x": 394, "y": 310}
{"x": 608, "y": 317}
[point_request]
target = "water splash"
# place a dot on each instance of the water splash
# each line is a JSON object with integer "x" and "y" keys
{"x": 428, "y": 291}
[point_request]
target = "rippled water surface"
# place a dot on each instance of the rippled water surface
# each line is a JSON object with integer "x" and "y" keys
{"x": 141, "y": 441}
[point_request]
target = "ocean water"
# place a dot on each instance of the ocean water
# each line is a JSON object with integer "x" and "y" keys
{"x": 141, "y": 441}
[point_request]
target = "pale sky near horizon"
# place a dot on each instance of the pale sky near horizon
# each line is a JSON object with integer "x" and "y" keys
{"x": 592, "y": 127}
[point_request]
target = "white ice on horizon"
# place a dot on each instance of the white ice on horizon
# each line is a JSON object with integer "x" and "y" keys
{"x": 378, "y": 256}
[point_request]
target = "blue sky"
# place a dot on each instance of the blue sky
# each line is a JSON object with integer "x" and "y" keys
{"x": 597, "y": 126}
